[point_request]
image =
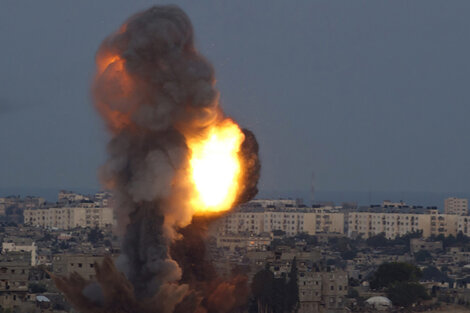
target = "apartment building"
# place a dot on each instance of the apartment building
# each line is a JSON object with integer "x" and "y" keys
{"x": 323, "y": 291}
{"x": 394, "y": 224}
{"x": 463, "y": 225}
{"x": 457, "y": 206}
{"x": 69, "y": 217}
{"x": 291, "y": 221}
{"x": 394, "y": 219}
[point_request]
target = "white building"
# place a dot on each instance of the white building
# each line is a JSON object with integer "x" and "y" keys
{"x": 393, "y": 225}
{"x": 69, "y": 217}
{"x": 290, "y": 220}
{"x": 457, "y": 206}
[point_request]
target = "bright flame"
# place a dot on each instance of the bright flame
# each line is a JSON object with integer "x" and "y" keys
{"x": 215, "y": 167}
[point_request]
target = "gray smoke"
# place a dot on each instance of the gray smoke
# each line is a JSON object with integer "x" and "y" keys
{"x": 166, "y": 91}
{"x": 153, "y": 90}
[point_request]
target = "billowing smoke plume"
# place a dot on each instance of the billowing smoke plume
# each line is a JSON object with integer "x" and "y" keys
{"x": 154, "y": 90}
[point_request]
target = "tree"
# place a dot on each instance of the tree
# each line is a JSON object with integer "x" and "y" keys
{"x": 352, "y": 293}
{"x": 406, "y": 293}
{"x": 279, "y": 232}
{"x": 423, "y": 256}
{"x": 95, "y": 235}
{"x": 46, "y": 237}
{"x": 377, "y": 241}
{"x": 353, "y": 282}
{"x": 405, "y": 239}
{"x": 349, "y": 255}
{"x": 275, "y": 295}
{"x": 64, "y": 245}
{"x": 450, "y": 240}
{"x": 37, "y": 288}
{"x": 278, "y": 296}
{"x": 389, "y": 273}
{"x": 432, "y": 273}
{"x": 309, "y": 239}
{"x": 262, "y": 289}
{"x": 461, "y": 238}
{"x": 292, "y": 289}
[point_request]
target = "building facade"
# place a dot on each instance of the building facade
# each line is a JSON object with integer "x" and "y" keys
{"x": 291, "y": 221}
{"x": 457, "y": 206}
{"x": 393, "y": 225}
{"x": 19, "y": 244}
{"x": 82, "y": 264}
{"x": 69, "y": 217}
{"x": 323, "y": 291}
{"x": 14, "y": 274}
{"x": 394, "y": 219}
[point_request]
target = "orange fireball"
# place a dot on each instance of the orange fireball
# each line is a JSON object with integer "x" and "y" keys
{"x": 215, "y": 167}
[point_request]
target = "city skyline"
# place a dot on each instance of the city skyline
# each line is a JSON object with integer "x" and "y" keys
{"x": 234, "y": 157}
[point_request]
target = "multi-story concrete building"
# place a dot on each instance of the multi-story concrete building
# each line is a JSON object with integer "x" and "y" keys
{"x": 444, "y": 224}
{"x": 69, "y": 217}
{"x": 292, "y": 221}
{"x": 14, "y": 273}
{"x": 83, "y": 264}
{"x": 391, "y": 224}
{"x": 323, "y": 291}
{"x": 20, "y": 244}
{"x": 323, "y": 221}
{"x": 463, "y": 225}
{"x": 394, "y": 224}
{"x": 391, "y": 218}
{"x": 321, "y": 288}
{"x": 457, "y": 206}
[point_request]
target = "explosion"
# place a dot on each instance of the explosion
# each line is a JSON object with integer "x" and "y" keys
{"x": 175, "y": 162}
{"x": 215, "y": 167}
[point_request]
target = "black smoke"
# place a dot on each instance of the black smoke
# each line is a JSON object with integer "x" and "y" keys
{"x": 153, "y": 90}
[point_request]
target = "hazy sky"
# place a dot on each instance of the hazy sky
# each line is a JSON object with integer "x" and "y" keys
{"x": 367, "y": 95}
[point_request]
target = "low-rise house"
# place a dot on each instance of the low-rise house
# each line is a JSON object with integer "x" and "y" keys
{"x": 243, "y": 241}
{"x": 418, "y": 244}
{"x": 20, "y": 244}
{"x": 83, "y": 264}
